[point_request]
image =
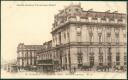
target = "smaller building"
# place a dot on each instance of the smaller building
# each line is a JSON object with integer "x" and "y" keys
{"x": 26, "y": 56}
{"x": 45, "y": 59}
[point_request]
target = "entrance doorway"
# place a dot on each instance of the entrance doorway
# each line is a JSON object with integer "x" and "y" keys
{"x": 91, "y": 61}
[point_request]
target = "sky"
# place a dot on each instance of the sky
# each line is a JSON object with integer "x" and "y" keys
{"x": 21, "y": 22}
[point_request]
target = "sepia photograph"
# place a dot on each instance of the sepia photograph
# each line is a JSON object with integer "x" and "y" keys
{"x": 63, "y": 40}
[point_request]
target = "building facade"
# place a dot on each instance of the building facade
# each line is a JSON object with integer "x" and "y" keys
{"x": 89, "y": 38}
{"x": 45, "y": 58}
{"x": 27, "y": 56}
{"x": 83, "y": 39}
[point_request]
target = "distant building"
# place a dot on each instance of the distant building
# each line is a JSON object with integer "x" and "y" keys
{"x": 45, "y": 57}
{"x": 83, "y": 38}
{"x": 26, "y": 55}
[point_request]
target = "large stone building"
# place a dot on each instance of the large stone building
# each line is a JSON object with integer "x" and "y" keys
{"x": 85, "y": 38}
{"x": 89, "y": 37}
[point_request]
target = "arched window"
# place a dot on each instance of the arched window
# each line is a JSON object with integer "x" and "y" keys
{"x": 124, "y": 32}
{"x": 117, "y": 58}
{"x": 100, "y": 57}
{"x": 99, "y": 32}
{"x": 125, "y": 58}
{"x": 64, "y": 35}
{"x": 79, "y": 57}
{"x": 90, "y": 33}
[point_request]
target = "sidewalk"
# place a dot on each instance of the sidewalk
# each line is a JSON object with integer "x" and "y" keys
{"x": 66, "y": 74}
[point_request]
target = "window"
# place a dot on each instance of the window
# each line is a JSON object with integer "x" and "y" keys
{"x": 120, "y": 20}
{"x": 78, "y": 30}
{"x": 66, "y": 59}
{"x": 100, "y": 58}
{"x": 103, "y": 19}
{"x": 112, "y": 19}
{"x": 60, "y": 37}
{"x": 91, "y": 60}
{"x": 64, "y": 36}
{"x": 117, "y": 58}
{"x": 125, "y": 63}
{"x": 77, "y": 18}
{"x": 86, "y": 18}
{"x": 109, "y": 58}
{"x": 78, "y": 33}
{"x": 20, "y": 54}
{"x": 124, "y": 35}
{"x": 94, "y": 18}
{"x": 79, "y": 57}
{"x": 90, "y": 35}
{"x": 68, "y": 35}
{"x": 125, "y": 58}
{"x": 99, "y": 34}
{"x": 117, "y": 35}
{"x": 76, "y": 10}
{"x": 117, "y": 63}
{"x": 117, "y": 54}
{"x": 108, "y": 34}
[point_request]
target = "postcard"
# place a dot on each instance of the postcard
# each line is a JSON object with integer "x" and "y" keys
{"x": 63, "y": 39}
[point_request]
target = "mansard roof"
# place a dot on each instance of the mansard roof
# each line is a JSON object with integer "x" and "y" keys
{"x": 36, "y": 47}
{"x": 83, "y": 13}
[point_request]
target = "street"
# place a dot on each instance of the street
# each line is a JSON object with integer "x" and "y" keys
{"x": 65, "y": 74}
